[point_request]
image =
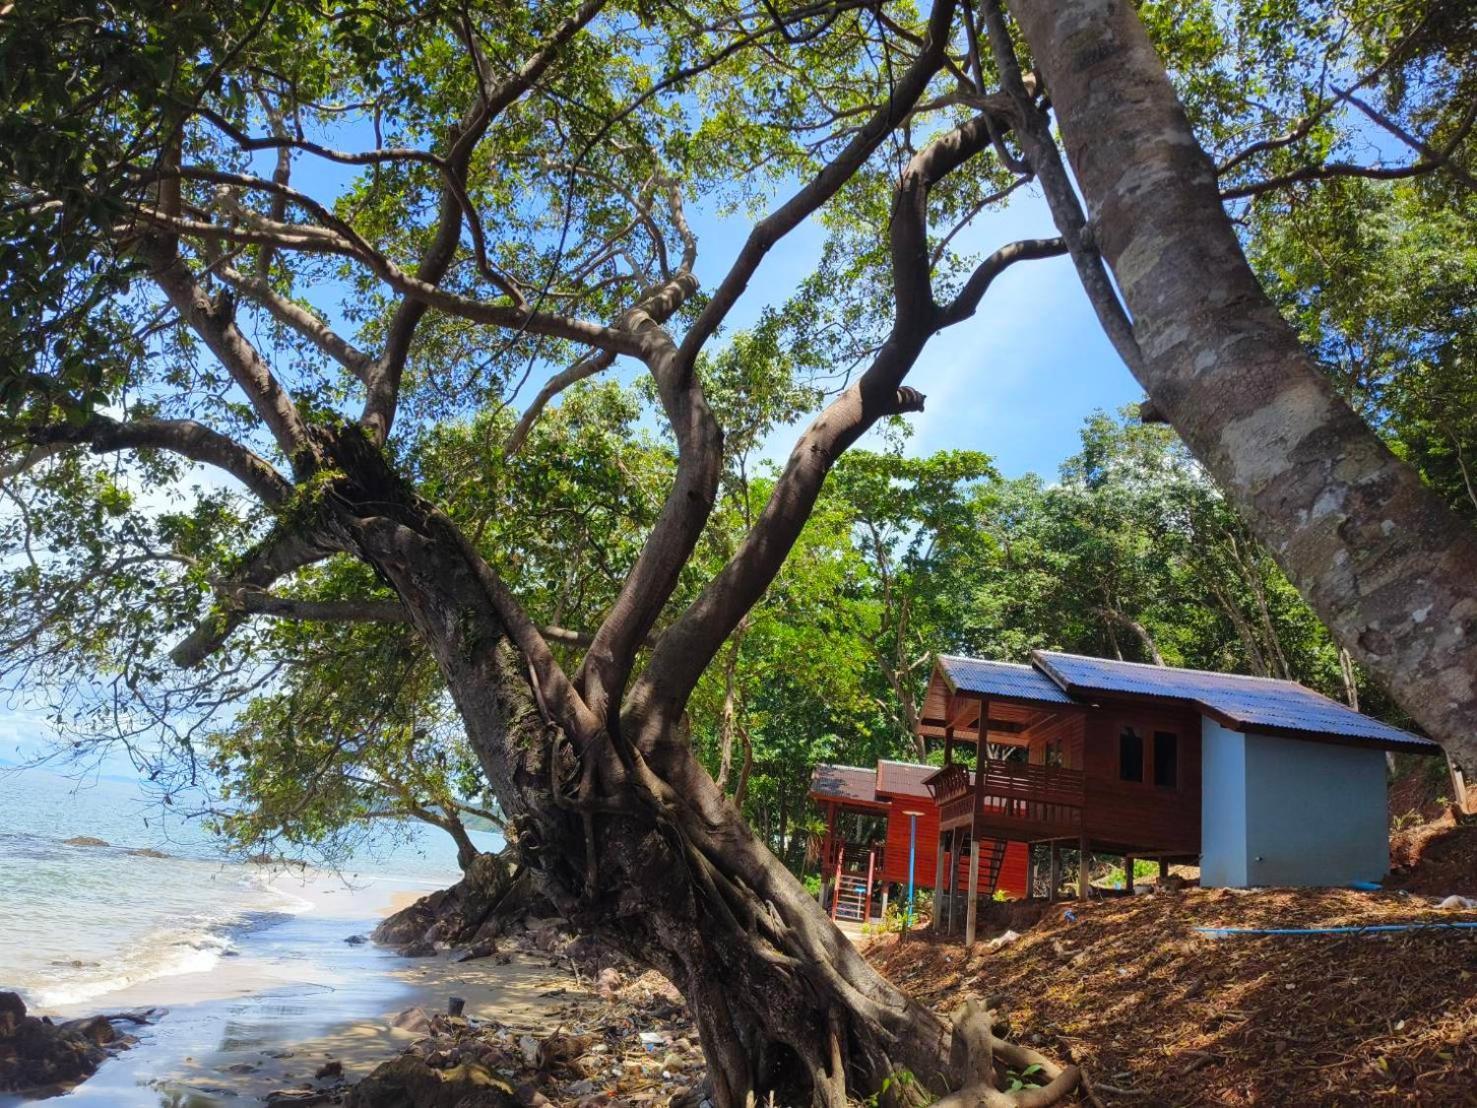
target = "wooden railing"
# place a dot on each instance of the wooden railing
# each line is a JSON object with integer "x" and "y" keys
{"x": 1012, "y": 794}
{"x": 851, "y": 858}
{"x": 1038, "y": 795}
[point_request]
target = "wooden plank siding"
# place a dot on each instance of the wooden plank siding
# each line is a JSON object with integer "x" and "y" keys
{"x": 1138, "y": 815}
{"x": 1114, "y": 814}
{"x": 895, "y": 867}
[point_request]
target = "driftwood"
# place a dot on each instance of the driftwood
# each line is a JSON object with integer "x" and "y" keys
{"x": 974, "y": 1033}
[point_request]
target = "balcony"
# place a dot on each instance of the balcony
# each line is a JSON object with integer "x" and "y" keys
{"x": 1016, "y": 801}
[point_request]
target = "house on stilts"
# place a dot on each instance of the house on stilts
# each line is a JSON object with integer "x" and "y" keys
{"x": 1255, "y": 780}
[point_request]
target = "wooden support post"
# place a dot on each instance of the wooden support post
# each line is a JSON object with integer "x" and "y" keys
{"x": 836, "y": 892}
{"x": 1053, "y": 872}
{"x": 938, "y": 885}
{"x": 1128, "y": 873}
{"x": 1030, "y": 870}
{"x": 953, "y": 874}
{"x": 1084, "y": 868}
{"x": 971, "y": 907}
{"x": 1163, "y": 868}
{"x": 871, "y": 869}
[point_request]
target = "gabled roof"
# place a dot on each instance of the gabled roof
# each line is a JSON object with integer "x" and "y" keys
{"x": 975, "y": 675}
{"x": 1240, "y": 702}
{"x": 848, "y": 784}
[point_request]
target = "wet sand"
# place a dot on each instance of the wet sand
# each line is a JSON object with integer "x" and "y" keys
{"x": 297, "y": 997}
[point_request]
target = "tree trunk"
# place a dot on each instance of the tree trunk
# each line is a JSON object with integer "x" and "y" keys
{"x": 634, "y": 843}
{"x": 466, "y": 849}
{"x": 1381, "y": 559}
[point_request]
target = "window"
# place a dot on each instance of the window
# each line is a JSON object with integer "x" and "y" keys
{"x": 1130, "y": 755}
{"x": 1166, "y": 759}
{"x": 1054, "y": 753}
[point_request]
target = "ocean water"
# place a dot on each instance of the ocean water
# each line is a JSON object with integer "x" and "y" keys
{"x": 79, "y": 922}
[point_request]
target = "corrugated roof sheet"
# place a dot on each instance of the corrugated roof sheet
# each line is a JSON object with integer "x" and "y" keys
{"x": 845, "y": 783}
{"x": 974, "y": 675}
{"x": 1250, "y": 702}
{"x": 904, "y": 778}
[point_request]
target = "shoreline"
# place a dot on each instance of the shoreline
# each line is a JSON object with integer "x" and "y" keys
{"x": 289, "y": 999}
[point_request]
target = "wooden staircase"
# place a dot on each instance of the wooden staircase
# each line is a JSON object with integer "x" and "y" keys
{"x": 852, "y": 898}
{"x": 992, "y": 864}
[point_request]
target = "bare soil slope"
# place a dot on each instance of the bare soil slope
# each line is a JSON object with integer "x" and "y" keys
{"x": 1160, "y": 1014}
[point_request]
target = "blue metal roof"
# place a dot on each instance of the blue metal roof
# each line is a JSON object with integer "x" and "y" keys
{"x": 1248, "y": 702}
{"x": 974, "y": 675}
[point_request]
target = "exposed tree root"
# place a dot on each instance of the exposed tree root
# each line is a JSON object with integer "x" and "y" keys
{"x": 974, "y": 1034}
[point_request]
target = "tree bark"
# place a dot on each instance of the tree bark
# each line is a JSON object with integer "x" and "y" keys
{"x": 649, "y": 856}
{"x": 1381, "y": 559}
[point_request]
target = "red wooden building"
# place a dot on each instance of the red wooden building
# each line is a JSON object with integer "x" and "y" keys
{"x": 876, "y": 819}
{"x": 1255, "y": 780}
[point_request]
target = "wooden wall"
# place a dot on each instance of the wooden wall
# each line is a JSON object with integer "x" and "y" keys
{"x": 895, "y": 869}
{"x": 1140, "y": 814}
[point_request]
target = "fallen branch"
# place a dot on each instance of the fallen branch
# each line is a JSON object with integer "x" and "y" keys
{"x": 974, "y": 1028}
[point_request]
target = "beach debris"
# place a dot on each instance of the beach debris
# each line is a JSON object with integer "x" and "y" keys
{"x": 455, "y": 1005}
{"x": 415, "y": 1020}
{"x": 331, "y": 1068}
{"x": 621, "y": 1036}
{"x": 280, "y": 1098}
{"x": 1004, "y": 939}
{"x": 409, "y": 1081}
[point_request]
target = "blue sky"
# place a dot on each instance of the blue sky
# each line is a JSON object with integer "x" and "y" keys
{"x": 1016, "y": 381}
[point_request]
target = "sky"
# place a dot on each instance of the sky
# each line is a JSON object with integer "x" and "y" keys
{"x": 1016, "y": 381}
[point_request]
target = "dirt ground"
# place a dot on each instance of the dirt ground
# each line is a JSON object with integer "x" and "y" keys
{"x": 1159, "y": 1014}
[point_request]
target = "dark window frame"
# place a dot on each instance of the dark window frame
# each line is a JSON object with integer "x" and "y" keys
{"x": 1125, "y": 762}
{"x": 1172, "y": 762}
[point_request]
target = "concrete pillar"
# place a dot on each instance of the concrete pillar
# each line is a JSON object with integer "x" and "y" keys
{"x": 971, "y": 906}
{"x": 885, "y": 889}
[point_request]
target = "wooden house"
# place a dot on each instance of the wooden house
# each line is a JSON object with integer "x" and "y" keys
{"x": 882, "y": 834}
{"x": 1258, "y": 781}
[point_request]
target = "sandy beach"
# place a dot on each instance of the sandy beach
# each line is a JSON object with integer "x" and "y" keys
{"x": 298, "y": 996}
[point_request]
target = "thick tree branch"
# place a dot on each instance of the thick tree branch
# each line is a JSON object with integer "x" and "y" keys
{"x": 653, "y": 308}
{"x": 824, "y": 185}
{"x": 215, "y": 323}
{"x": 275, "y": 557}
{"x": 184, "y": 437}
{"x": 686, "y": 648}
{"x": 1035, "y": 134}
{"x": 384, "y": 385}
{"x": 300, "y": 319}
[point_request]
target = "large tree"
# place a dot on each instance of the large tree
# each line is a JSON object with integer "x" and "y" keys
{"x": 286, "y": 243}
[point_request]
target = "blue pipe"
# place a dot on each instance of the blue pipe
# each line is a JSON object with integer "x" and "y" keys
{"x": 1224, "y": 932}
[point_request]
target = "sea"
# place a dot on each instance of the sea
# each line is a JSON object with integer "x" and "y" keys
{"x": 104, "y": 890}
